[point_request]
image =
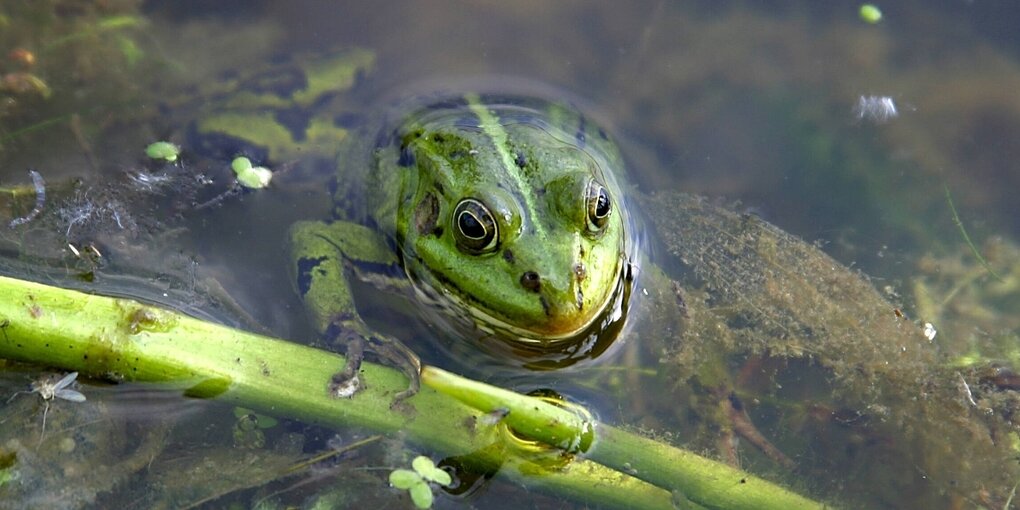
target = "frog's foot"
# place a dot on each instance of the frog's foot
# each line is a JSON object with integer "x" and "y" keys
{"x": 397, "y": 354}
{"x": 356, "y": 336}
{"x": 345, "y": 383}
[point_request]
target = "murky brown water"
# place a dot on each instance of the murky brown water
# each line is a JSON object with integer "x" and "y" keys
{"x": 784, "y": 107}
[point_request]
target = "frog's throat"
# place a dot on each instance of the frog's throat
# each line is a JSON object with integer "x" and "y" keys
{"x": 611, "y": 311}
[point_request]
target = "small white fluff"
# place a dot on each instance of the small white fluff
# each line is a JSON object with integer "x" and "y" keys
{"x": 877, "y": 109}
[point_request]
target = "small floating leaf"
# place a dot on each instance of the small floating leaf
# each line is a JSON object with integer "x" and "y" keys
{"x": 421, "y": 494}
{"x": 240, "y": 164}
{"x": 255, "y": 178}
{"x": 428, "y": 470}
{"x": 248, "y": 176}
{"x": 404, "y": 478}
{"x": 870, "y": 13}
{"x": 441, "y": 477}
{"x": 163, "y": 150}
{"x": 423, "y": 464}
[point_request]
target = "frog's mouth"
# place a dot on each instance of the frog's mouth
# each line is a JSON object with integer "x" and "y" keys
{"x": 540, "y": 351}
{"x": 508, "y": 331}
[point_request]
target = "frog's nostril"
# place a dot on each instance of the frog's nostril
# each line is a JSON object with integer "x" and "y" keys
{"x": 580, "y": 272}
{"x": 531, "y": 281}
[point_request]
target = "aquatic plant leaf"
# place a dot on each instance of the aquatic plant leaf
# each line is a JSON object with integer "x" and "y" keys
{"x": 163, "y": 150}
{"x": 240, "y": 164}
{"x": 423, "y": 465}
{"x": 404, "y": 478}
{"x": 439, "y": 476}
{"x": 421, "y": 494}
{"x": 870, "y": 13}
{"x": 428, "y": 470}
{"x": 255, "y": 178}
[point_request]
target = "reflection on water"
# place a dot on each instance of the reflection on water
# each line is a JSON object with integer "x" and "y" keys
{"x": 750, "y": 103}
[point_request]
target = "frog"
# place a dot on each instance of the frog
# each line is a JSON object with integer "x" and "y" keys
{"x": 505, "y": 219}
{"x": 501, "y": 215}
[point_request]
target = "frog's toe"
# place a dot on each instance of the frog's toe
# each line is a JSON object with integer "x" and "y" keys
{"x": 413, "y": 386}
{"x": 345, "y": 383}
{"x": 398, "y": 355}
{"x": 344, "y": 386}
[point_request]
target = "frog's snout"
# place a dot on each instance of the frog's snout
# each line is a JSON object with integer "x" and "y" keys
{"x": 560, "y": 297}
{"x": 531, "y": 281}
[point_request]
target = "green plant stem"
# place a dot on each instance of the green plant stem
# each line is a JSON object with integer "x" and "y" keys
{"x": 966, "y": 237}
{"x": 121, "y": 339}
{"x": 697, "y": 479}
{"x": 533, "y": 418}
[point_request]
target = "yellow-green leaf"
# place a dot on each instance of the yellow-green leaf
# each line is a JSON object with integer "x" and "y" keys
{"x": 421, "y": 494}
{"x": 404, "y": 478}
{"x": 163, "y": 150}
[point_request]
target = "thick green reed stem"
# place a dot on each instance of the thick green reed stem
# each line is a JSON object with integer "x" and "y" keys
{"x": 122, "y": 339}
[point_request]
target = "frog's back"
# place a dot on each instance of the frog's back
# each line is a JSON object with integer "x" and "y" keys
{"x": 289, "y": 110}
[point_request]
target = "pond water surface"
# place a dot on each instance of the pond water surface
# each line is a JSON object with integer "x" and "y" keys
{"x": 891, "y": 146}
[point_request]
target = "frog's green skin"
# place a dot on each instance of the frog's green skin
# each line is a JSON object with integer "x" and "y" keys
{"x": 290, "y": 111}
{"x": 501, "y": 212}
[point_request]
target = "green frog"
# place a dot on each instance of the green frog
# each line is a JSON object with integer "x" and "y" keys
{"x": 501, "y": 215}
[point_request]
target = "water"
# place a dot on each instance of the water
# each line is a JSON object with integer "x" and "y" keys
{"x": 756, "y": 103}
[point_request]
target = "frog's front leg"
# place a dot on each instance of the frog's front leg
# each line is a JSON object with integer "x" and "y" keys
{"x": 323, "y": 257}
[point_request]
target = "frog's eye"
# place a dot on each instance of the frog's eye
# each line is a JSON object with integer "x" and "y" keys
{"x": 476, "y": 230}
{"x": 598, "y": 205}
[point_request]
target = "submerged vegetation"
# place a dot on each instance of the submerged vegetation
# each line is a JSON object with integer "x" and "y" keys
{"x": 842, "y": 365}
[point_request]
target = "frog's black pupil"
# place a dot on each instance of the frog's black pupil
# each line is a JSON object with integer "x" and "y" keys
{"x": 598, "y": 207}
{"x": 477, "y": 231}
{"x": 602, "y": 204}
{"x": 470, "y": 226}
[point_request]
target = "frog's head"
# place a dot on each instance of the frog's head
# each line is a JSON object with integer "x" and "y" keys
{"x": 513, "y": 218}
